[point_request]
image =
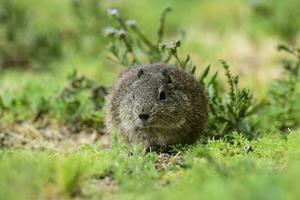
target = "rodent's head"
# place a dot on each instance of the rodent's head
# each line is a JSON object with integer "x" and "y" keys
{"x": 153, "y": 101}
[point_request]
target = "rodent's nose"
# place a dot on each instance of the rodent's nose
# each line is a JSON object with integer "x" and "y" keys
{"x": 143, "y": 116}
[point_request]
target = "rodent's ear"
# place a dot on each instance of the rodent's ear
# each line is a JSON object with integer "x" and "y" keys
{"x": 166, "y": 76}
{"x": 140, "y": 73}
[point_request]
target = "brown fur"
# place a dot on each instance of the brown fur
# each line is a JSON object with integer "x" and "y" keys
{"x": 179, "y": 119}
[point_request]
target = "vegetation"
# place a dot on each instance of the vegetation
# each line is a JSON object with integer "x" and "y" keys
{"x": 51, "y": 121}
{"x": 279, "y": 14}
{"x": 20, "y": 44}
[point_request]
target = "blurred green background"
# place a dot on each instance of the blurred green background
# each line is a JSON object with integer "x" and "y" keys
{"x": 43, "y": 35}
{"x": 43, "y": 42}
{"x": 47, "y": 47}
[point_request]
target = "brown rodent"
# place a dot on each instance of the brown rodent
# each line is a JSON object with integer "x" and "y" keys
{"x": 157, "y": 106}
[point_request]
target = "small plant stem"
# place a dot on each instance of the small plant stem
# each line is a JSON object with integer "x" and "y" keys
{"x": 129, "y": 49}
{"x": 145, "y": 40}
{"x": 121, "y": 22}
{"x": 161, "y": 29}
{"x": 168, "y": 58}
{"x": 178, "y": 60}
{"x": 127, "y": 44}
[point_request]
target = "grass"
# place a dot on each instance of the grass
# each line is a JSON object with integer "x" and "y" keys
{"x": 263, "y": 169}
{"x": 52, "y": 144}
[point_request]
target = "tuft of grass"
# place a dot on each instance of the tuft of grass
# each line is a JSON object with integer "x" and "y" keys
{"x": 80, "y": 102}
{"x": 93, "y": 172}
{"x": 230, "y": 108}
{"x": 283, "y": 96}
{"x": 129, "y": 46}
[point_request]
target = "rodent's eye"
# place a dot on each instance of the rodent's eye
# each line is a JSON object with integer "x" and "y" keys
{"x": 162, "y": 95}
